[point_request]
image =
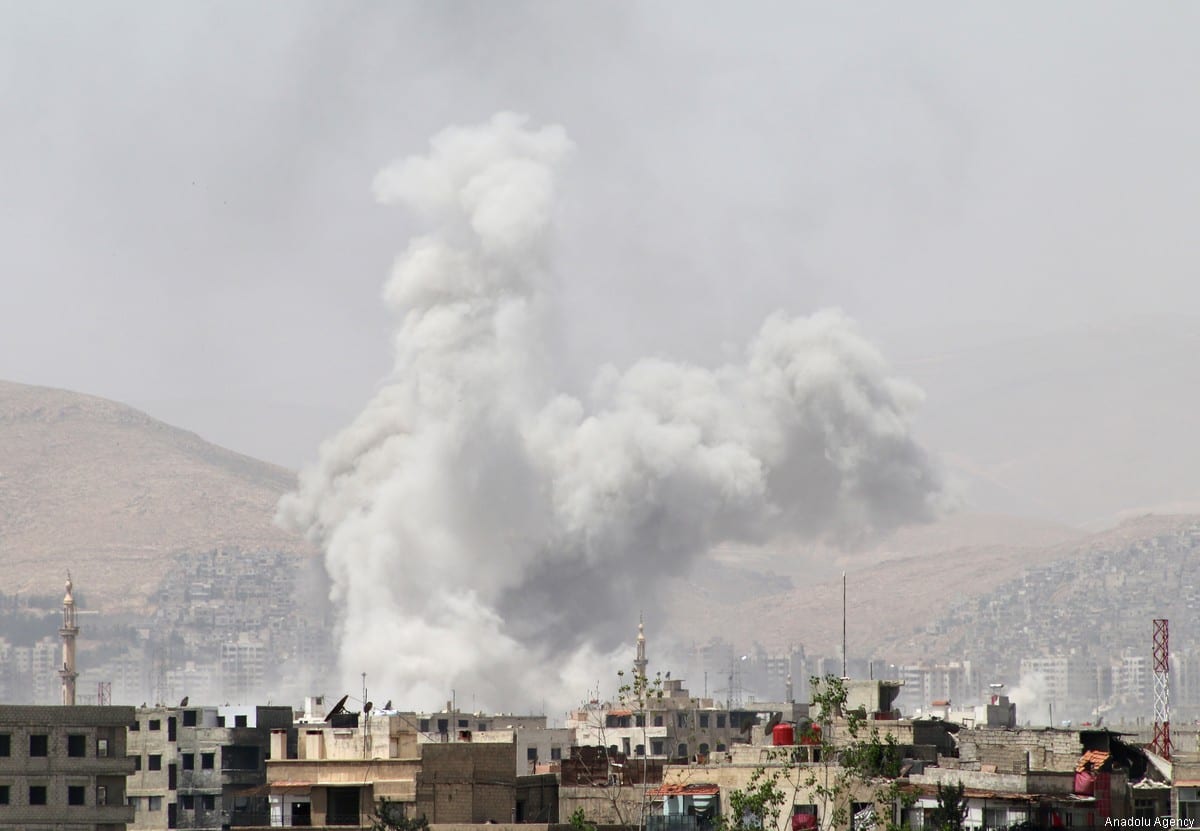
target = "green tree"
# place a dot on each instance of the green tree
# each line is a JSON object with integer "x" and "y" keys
{"x": 832, "y": 770}
{"x": 389, "y": 815}
{"x": 951, "y": 810}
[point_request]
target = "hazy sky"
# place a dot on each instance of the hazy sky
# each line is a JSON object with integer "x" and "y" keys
{"x": 1003, "y": 196}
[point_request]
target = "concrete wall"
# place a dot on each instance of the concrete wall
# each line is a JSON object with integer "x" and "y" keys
{"x": 100, "y": 771}
{"x": 1018, "y": 751}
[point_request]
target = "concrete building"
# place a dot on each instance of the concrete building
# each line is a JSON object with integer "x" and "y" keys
{"x": 344, "y": 768}
{"x": 64, "y": 767}
{"x": 194, "y": 766}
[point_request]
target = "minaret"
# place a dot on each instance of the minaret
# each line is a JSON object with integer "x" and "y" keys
{"x": 639, "y": 663}
{"x": 68, "y": 631}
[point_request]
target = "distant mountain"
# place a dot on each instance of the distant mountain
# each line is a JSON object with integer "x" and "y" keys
{"x": 109, "y": 493}
{"x": 916, "y": 596}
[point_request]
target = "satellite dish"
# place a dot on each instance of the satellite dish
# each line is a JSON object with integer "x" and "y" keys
{"x": 388, "y": 706}
{"x": 338, "y": 708}
{"x": 367, "y": 708}
{"x": 184, "y": 702}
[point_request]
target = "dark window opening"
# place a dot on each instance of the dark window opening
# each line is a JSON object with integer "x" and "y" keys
{"x": 188, "y": 803}
{"x": 5, "y": 744}
{"x": 172, "y": 776}
{"x": 424, "y": 727}
{"x": 155, "y": 724}
{"x": 189, "y": 718}
{"x": 462, "y": 724}
{"x": 704, "y": 720}
{"x": 154, "y": 762}
{"x": 720, "y": 720}
{"x": 342, "y": 806}
{"x": 220, "y": 721}
{"x": 443, "y": 725}
{"x": 37, "y": 794}
{"x": 77, "y": 745}
{"x": 639, "y": 720}
{"x": 137, "y": 762}
{"x": 483, "y": 725}
{"x": 681, "y": 751}
{"x": 531, "y": 754}
{"x": 658, "y": 721}
{"x": 172, "y": 816}
{"x": 39, "y": 744}
{"x": 301, "y": 814}
{"x": 208, "y": 761}
{"x": 239, "y": 721}
{"x": 656, "y": 747}
{"x": 171, "y": 723}
{"x": 3, "y": 794}
{"x": 720, "y": 748}
{"x": 75, "y": 794}
{"x": 135, "y": 726}
{"x": 188, "y": 760}
{"x": 239, "y": 757}
{"x": 555, "y": 754}
{"x": 703, "y": 748}
{"x": 209, "y": 802}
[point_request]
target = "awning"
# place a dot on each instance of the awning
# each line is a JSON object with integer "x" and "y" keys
{"x": 686, "y": 790}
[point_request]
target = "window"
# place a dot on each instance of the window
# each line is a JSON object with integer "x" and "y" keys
{"x": 154, "y": 803}
{"x": 188, "y": 803}
{"x": 424, "y": 726}
{"x": 209, "y": 802}
{"x": 220, "y": 721}
{"x": 531, "y": 754}
{"x": 154, "y": 762}
{"x": 101, "y": 794}
{"x": 681, "y": 751}
{"x": 720, "y": 747}
{"x": 483, "y": 725}
{"x": 5, "y": 744}
{"x": 171, "y": 724}
{"x": 3, "y": 794}
{"x": 462, "y": 724}
{"x": 75, "y": 794}
{"x": 239, "y": 721}
{"x": 443, "y": 725}
{"x": 681, "y": 720}
{"x": 656, "y": 747}
{"x": 658, "y": 721}
{"x": 189, "y": 761}
{"x": 555, "y": 754}
{"x": 135, "y": 726}
{"x": 77, "y": 745}
{"x": 102, "y": 748}
{"x": 189, "y": 718}
{"x": 208, "y": 760}
{"x": 155, "y": 724}
{"x": 720, "y": 720}
{"x": 639, "y": 720}
{"x": 704, "y": 720}
{"x": 37, "y": 794}
{"x": 703, "y": 748}
{"x": 39, "y": 744}
{"x": 137, "y": 762}
{"x": 172, "y": 776}
{"x": 640, "y": 750}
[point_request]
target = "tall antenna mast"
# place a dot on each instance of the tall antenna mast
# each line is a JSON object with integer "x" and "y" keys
{"x": 844, "y": 675}
{"x": 1161, "y": 743}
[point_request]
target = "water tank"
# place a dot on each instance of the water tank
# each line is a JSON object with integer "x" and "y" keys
{"x": 783, "y": 735}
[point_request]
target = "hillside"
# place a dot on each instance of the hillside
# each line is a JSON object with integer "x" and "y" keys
{"x": 920, "y": 595}
{"x": 106, "y": 491}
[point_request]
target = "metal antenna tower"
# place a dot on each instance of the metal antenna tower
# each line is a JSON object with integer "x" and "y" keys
{"x": 1161, "y": 744}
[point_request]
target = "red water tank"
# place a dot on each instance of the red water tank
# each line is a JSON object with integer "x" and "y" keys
{"x": 783, "y": 735}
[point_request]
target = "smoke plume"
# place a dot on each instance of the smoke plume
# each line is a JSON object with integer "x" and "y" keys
{"x": 484, "y": 533}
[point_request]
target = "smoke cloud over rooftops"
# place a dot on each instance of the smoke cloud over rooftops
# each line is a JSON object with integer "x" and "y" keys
{"x": 485, "y": 532}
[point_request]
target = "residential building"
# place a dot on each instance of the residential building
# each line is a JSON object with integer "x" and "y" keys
{"x": 194, "y": 766}
{"x": 347, "y": 766}
{"x": 63, "y": 767}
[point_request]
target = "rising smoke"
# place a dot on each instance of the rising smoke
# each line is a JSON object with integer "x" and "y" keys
{"x": 484, "y": 533}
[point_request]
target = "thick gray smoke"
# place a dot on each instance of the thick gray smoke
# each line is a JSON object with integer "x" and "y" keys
{"x": 486, "y": 534}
